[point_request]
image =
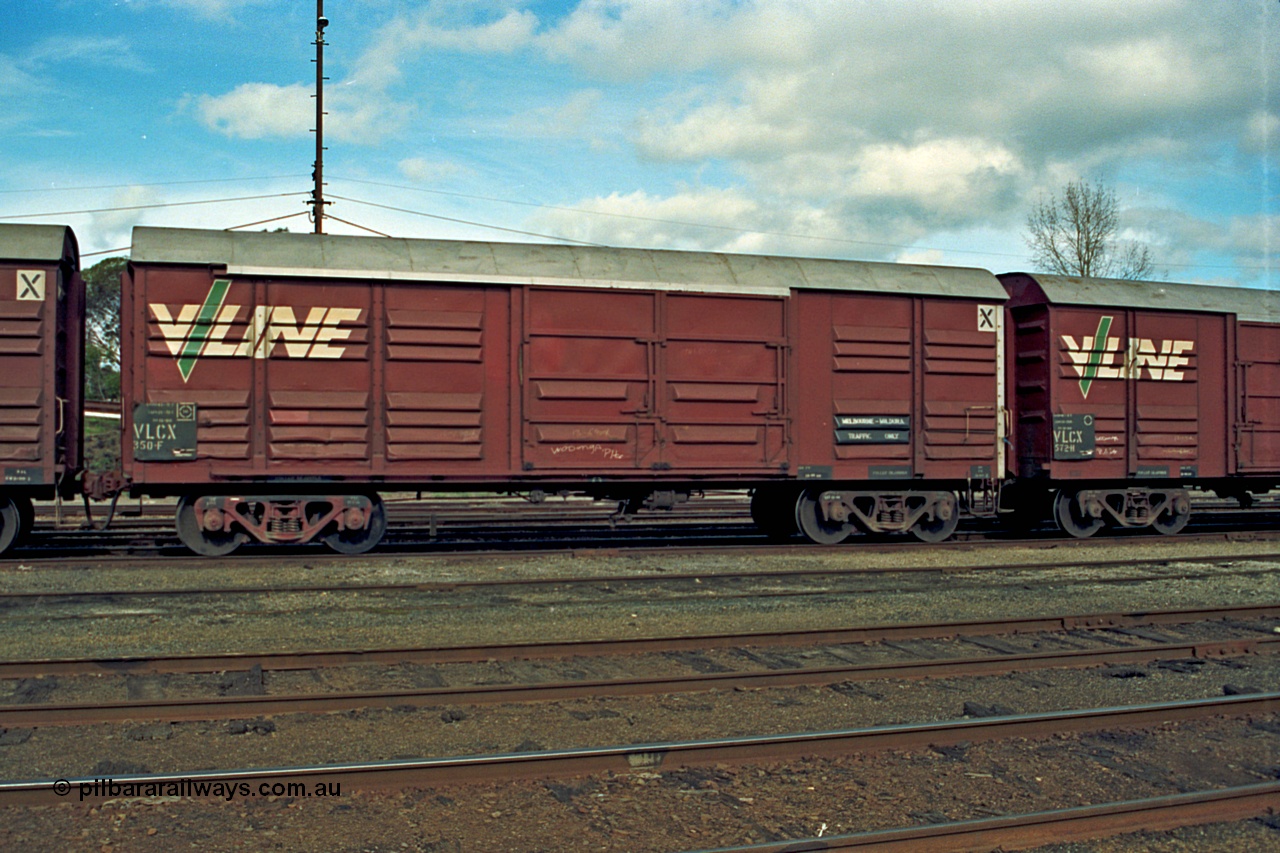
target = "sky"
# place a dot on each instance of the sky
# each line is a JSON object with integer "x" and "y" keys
{"x": 898, "y": 130}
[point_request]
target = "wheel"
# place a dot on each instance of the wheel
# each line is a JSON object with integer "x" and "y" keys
{"x": 937, "y": 529}
{"x": 204, "y": 542}
{"x": 1066, "y": 509}
{"x": 10, "y": 523}
{"x": 364, "y": 539}
{"x": 1173, "y": 519}
{"x": 774, "y": 512}
{"x": 26, "y": 517}
{"x": 811, "y": 523}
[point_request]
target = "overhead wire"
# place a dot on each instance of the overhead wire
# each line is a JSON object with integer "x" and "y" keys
{"x": 459, "y": 221}
{"x": 104, "y": 252}
{"x": 488, "y": 226}
{"x": 267, "y": 221}
{"x": 152, "y": 206}
{"x": 356, "y": 225}
{"x": 151, "y": 184}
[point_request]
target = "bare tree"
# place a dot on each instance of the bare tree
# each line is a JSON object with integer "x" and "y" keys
{"x": 1076, "y": 234}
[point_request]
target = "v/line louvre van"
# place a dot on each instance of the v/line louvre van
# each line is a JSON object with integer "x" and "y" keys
{"x": 276, "y": 382}
{"x": 41, "y": 378}
{"x": 1130, "y": 392}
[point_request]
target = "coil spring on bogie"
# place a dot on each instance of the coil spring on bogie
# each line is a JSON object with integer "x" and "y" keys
{"x": 285, "y": 525}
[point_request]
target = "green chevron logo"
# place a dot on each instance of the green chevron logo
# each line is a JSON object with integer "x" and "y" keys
{"x": 1095, "y": 355}
{"x": 199, "y": 336}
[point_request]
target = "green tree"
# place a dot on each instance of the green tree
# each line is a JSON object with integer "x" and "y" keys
{"x": 1077, "y": 233}
{"x": 102, "y": 329}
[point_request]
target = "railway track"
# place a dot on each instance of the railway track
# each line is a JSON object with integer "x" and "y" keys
{"x": 433, "y": 655}
{"x": 232, "y": 707}
{"x": 1120, "y": 641}
{"x": 465, "y": 524}
{"x": 630, "y": 758}
{"x": 1036, "y": 829}
{"x": 755, "y": 576}
{"x": 1100, "y": 639}
{"x": 1123, "y": 639}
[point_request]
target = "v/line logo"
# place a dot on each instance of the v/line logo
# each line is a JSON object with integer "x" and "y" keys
{"x": 201, "y": 330}
{"x": 1095, "y": 357}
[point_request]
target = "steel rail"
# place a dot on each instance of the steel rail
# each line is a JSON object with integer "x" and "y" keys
{"x": 308, "y": 659}
{"x": 592, "y": 542}
{"x": 440, "y": 772}
{"x": 1020, "y": 832}
{"x": 231, "y": 707}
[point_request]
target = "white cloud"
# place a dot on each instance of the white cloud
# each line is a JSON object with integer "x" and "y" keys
{"x": 884, "y": 121}
{"x": 207, "y": 9}
{"x": 1055, "y": 77}
{"x": 626, "y": 39}
{"x": 945, "y": 174}
{"x": 1262, "y": 133}
{"x": 259, "y": 110}
{"x": 16, "y": 82}
{"x": 867, "y": 125}
{"x": 640, "y": 219}
{"x": 359, "y": 109}
{"x": 380, "y": 65}
{"x": 266, "y": 110}
{"x": 727, "y": 220}
{"x": 114, "y": 228}
{"x": 431, "y": 171}
{"x": 578, "y": 115}
{"x": 928, "y": 257}
{"x": 720, "y": 130}
{"x": 1252, "y": 238}
{"x": 105, "y": 52}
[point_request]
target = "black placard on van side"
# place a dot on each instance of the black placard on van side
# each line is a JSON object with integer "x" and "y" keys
{"x": 164, "y": 432}
{"x": 1073, "y": 436}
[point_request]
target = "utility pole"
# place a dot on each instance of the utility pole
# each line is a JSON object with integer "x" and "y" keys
{"x": 317, "y": 195}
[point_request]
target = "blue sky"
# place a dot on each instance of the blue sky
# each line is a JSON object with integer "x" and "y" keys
{"x": 873, "y": 129}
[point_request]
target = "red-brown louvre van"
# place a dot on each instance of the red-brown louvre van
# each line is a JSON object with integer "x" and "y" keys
{"x": 41, "y": 377}
{"x": 276, "y": 382}
{"x": 1129, "y": 393}
{"x": 900, "y": 400}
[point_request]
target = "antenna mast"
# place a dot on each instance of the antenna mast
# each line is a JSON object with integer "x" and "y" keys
{"x": 317, "y": 195}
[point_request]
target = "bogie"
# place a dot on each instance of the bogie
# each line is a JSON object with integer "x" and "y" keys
{"x": 1083, "y": 512}
{"x": 832, "y": 516}
{"x": 216, "y": 525}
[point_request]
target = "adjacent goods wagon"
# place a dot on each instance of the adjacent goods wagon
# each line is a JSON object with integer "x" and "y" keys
{"x": 276, "y": 382}
{"x": 1129, "y": 393}
{"x": 899, "y": 400}
{"x": 42, "y": 347}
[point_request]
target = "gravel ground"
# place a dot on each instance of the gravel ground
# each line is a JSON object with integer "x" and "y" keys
{"x": 292, "y": 739}
{"x": 135, "y": 626}
{"x": 323, "y": 567}
{"x": 695, "y": 808}
{"x": 664, "y": 811}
